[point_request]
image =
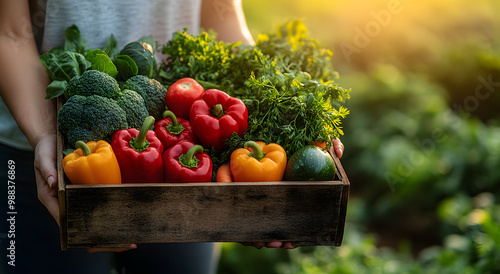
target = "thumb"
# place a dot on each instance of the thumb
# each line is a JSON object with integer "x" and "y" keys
{"x": 45, "y": 161}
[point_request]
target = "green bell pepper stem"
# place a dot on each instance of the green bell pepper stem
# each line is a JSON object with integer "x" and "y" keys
{"x": 173, "y": 128}
{"x": 188, "y": 160}
{"x": 257, "y": 153}
{"x": 84, "y": 147}
{"x": 140, "y": 143}
{"x": 218, "y": 111}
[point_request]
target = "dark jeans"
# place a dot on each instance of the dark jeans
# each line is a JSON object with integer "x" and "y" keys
{"x": 35, "y": 235}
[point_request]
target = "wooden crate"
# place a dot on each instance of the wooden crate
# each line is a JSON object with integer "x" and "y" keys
{"x": 305, "y": 213}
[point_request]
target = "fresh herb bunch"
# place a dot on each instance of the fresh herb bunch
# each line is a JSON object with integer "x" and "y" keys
{"x": 200, "y": 57}
{"x": 292, "y": 44}
{"x": 292, "y": 109}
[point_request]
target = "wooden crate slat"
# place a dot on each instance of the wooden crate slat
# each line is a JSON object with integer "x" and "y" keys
{"x": 204, "y": 213}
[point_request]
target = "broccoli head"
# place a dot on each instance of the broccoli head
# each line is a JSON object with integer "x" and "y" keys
{"x": 151, "y": 90}
{"x": 90, "y": 118}
{"x": 93, "y": 82}
{"x": 134, "y": 106}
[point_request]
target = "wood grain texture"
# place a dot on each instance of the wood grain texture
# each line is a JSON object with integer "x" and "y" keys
{"x": 304, "y": 213}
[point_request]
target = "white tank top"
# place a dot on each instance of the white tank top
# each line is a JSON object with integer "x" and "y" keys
{"x": 127, "y": 20}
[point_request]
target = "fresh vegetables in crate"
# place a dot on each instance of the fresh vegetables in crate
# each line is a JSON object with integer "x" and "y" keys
{"x": 231, "y": 100}
{"x": 221, "y": 95}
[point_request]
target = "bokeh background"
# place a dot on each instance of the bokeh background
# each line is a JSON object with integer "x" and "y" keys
{"x": 422, "y": 140}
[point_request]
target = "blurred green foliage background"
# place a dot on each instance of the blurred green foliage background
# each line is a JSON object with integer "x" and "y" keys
{"x": 422, "y": 140}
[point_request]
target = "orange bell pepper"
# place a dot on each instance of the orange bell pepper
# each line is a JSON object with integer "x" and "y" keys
{"x": 258, "y": 162}
{"x": 92, "y": 163}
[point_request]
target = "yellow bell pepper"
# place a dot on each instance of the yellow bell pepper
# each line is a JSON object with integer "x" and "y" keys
{"x": 92, "y": 163}
{"x": 258, "y": 162}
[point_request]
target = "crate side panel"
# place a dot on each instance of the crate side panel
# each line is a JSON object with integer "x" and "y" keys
{"x": 253, "y": 212}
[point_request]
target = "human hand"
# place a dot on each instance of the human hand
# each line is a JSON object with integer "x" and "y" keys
{"x": 338, "y": 147}
{"x": 46, "y": 174}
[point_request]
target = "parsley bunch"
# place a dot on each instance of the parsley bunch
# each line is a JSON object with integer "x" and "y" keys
{"x": 292, "y": 109}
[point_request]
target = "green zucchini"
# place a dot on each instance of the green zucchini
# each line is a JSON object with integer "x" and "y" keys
{"x": 310, "y": 163}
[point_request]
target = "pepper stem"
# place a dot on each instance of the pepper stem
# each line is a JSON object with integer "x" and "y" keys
{"x": 188, "y": 160}
{"x": 84, "y": 147}
{"x": 140, "y": 143}
{"x": 218, "y": 111}
{"x": 173, "y": 128}
{"x": 257, "y": 152}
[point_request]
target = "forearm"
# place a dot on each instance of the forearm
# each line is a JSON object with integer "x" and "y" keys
{"x": 23, "y": 81}
{"x": 227, "y": 19}
{"x": 23, "y": 90}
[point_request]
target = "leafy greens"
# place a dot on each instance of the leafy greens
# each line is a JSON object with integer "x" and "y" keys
{"x": 286, "y": 80}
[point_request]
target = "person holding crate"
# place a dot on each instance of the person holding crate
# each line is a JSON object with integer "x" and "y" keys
{"x": 28, "y": 126}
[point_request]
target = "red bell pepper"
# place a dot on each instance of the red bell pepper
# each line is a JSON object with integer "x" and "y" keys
{"x": 186, "y": 162}
{"x": 171, "y": 129}
{"x": 139, "y": 154}
{"x": 216, "y": 116}
{"x": 181, "y": 94}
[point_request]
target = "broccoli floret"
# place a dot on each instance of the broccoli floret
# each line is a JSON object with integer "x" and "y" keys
{"x": 93, "y": 82}
{"x": 152, "y": 91}
{"x": 134, "y": 106}
{"x": 90, "y": 118}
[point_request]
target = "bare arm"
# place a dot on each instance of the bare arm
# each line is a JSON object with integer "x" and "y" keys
{"x": 22, "y": 88}
{"x": 23, "y": 76}
{"x": 227, "y": 19}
